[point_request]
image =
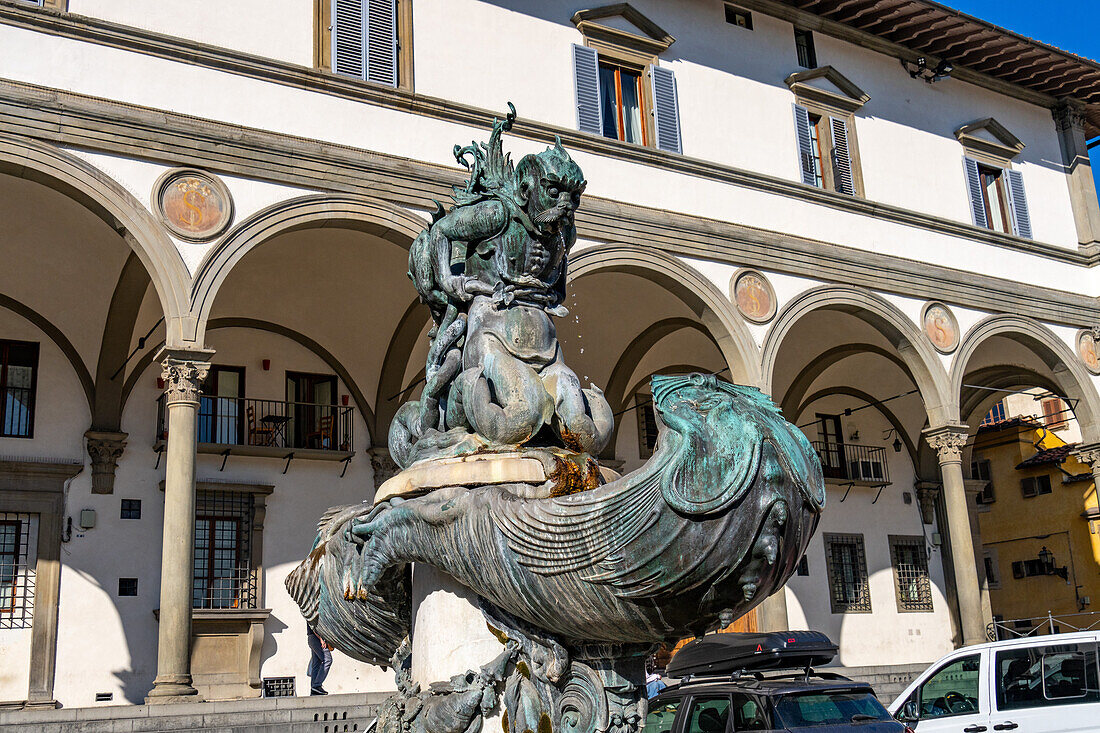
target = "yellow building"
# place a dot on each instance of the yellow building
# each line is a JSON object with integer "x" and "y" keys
{"x": 1039, "y": 526}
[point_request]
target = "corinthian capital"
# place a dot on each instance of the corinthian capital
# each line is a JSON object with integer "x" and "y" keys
{"x": 104, "y": 448}
{"x": 947, "y": 441}
{"x": 1069, "y": 114}
{"x": 183, "y": 372}
{"x": 1090, "y": 455}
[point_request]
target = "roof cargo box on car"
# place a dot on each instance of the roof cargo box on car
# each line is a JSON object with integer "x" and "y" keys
{"x": 729, "y": 653}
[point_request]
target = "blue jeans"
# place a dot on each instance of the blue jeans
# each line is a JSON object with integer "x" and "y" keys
{"x": 319, "y": 662}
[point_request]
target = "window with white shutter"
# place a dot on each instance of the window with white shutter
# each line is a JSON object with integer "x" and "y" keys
{"x": 974, "y": 190}
{"x": 809, "y": 148}
{"x": 825, "y": 157}
{"x": 363, "y": 39}
{"x": 997, "y": 198}
{"x": 825, "y": 103}
{"x": 666, "y": 109}
{"x": 1021, "y": 217}
{"x": 842, "y": 158}
{"x": 586, "y": 81}
{"x": 622, "y": 92}
{"x": 996, "y": 191}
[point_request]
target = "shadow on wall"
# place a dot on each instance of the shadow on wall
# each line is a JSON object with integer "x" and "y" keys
{"x": 767, "y": 55}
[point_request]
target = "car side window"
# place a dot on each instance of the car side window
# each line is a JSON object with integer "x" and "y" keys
{"x": 1043, "y": 676}
{"x": 661, "y": 717}
{"x": 952, "y": 690}
{"x": 708, "y": 714}
{"x": 749, "y": 713}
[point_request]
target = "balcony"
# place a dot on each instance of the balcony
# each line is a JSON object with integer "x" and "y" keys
{"x": 853, "y": 465}
{"x": 241, "y": 426}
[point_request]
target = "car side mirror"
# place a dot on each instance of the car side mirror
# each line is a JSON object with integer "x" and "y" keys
{"x": 908, "y": 712}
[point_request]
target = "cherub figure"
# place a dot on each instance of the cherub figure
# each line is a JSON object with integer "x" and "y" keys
{"x": 492, "y": 270}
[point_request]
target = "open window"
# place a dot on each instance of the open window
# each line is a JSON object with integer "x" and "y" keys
{"x": 998, "y": 200}
{"x": 824, "y": 116}
{"x": 365, "y": 39}
{"x": 622, "y": 92}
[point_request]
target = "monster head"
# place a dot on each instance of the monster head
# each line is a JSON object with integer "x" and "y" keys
{"x": 549, "y": 187}
{"x": 715, "y": 441}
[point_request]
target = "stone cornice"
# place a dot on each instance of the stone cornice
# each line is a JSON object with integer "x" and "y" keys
{"x": 86, "y": 122}
{"x": 94, "y": 30}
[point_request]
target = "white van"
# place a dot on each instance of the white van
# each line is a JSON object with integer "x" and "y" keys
{"x": 1034, "y": 685}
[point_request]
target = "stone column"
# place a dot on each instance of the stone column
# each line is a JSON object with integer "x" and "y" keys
{"x": 1069, "y": 118}
{"x": 184, "y": 372}
{"x": 771, "y": 615}
{"x": 948, "y": 442}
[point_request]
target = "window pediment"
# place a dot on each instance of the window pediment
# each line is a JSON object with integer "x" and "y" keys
{"x": 623, "y": 26}
{"x": 827, "y": 87}
{"x": 989, "y": 138}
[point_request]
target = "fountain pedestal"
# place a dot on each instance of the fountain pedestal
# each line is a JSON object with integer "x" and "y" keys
{"x": 449, "y": 634}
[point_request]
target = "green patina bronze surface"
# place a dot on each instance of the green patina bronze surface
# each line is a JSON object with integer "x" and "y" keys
{"x": 578, "y": 580}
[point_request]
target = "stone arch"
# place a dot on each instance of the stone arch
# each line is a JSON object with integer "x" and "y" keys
{"x": 802, "y": 382}
{"x": 1067, "y": 372}
{"x": 886, "y": 412}
{"x": 60, "y": 340}
{"x": 390, "y": 388}
{"x": 616, "y": 390}
{"x": 915, "y": 351}
{"x": 107, "y": 199}
{"x": 709, "y": 304}
{"x": 259, "y": 325}
{"x": 384, "y": 220}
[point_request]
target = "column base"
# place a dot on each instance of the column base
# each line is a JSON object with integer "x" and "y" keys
{"x": 41, "y": 705}
{"x": 172, "y": 688}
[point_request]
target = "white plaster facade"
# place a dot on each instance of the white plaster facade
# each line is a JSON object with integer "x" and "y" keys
{"x": 305, "y": 284}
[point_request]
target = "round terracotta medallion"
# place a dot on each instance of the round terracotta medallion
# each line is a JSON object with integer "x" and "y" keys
{"x": 1087, "y": 350}
{"x": 193, "y": 204}
{"x": 940, "y": 326}
{"x": 753, "y": 295}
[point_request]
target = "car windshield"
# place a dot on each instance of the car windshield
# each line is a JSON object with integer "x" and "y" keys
{"x": 810, "y": 709}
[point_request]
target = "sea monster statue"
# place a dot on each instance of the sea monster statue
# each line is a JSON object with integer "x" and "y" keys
{"x": 580, "y": 573}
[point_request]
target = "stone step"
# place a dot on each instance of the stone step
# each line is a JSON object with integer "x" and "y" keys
{"x": 328, "y": 714}
{"x": 889, "y": 680}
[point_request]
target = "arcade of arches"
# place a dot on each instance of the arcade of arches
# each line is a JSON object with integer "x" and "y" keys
{"x": 303, "y": 334}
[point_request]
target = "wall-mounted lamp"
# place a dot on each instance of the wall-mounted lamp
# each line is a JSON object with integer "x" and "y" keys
{"x": 267, "y": 364}
{"x": 160, "y": 383}
{"x": 344, "y": 400}
{"x": 1046, "y": 557}
{"x": 896, "y": 445}
{"x": 919, "y": 69}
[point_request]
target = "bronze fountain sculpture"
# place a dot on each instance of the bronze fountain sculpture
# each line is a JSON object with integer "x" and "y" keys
{"x": 579, "y": 572}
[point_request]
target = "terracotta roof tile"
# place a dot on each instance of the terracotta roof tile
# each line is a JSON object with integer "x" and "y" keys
{"x": 1050, "y": 455}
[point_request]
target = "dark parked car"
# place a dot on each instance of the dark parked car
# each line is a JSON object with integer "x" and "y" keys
{"x": 764, "y": 682}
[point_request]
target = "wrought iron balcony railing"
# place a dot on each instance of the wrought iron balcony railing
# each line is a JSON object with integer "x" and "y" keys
{"x": 857, "y": 464}
{"x": 270, "y": 424}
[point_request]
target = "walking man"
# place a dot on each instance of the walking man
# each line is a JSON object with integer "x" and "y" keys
{"x": 319, "y": 662}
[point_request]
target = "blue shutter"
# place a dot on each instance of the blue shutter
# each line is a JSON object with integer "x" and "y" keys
{"x": 1021, "y": 218}
{"x": 666, "y": 109}
{"x": 382, "y": 41}
{"x": 805, "y": 145}
{"x": 974, "y": 190}
{"x": 348, "y": 38}
{"x": 586, "y": 79}
{"x": 842, "y": 158}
